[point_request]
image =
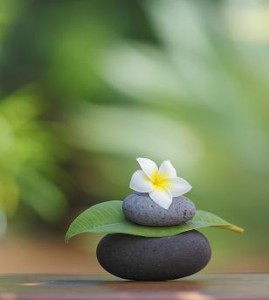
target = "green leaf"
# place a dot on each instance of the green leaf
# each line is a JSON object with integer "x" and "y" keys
{"x": 107, "y": 217}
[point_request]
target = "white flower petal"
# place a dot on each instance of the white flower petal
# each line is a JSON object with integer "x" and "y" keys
{"x": 161, "y": 197}
{"x": 140, "y": 182}
{"x": 167, "y": 169}
{"x": 148, "y": 166}
{"x": 179, "y": 186}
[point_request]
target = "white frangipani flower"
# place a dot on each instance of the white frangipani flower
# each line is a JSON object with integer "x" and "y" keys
{"x": 162, "y": 184}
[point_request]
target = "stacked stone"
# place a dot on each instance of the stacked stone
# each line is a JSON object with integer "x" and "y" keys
{"x": 163, "y": 258}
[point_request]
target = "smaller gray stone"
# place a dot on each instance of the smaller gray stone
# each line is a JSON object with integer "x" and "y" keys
{"x": 139, "y": 208}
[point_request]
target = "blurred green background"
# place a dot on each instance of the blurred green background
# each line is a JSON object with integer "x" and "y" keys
{"x": 89, "y": 85}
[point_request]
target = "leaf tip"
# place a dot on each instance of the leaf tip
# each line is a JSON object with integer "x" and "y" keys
{"x": 66, "y": 239}
{"x": 68, "y": 236}
{"x": 236, "y": 229}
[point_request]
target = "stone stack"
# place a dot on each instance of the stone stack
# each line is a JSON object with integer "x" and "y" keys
{"x": 163, "y": 258}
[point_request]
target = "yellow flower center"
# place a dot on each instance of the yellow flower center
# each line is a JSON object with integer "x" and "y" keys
{"x": 160, "y": 181}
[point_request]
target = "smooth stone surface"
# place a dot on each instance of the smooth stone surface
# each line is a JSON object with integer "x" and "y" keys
{"x": 140, "y": 258}
{"x": 141, "y": 209}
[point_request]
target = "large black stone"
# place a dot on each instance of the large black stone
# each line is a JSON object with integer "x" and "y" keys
{"x": 140, "y": 258}
{"x": 140, "y": 208}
